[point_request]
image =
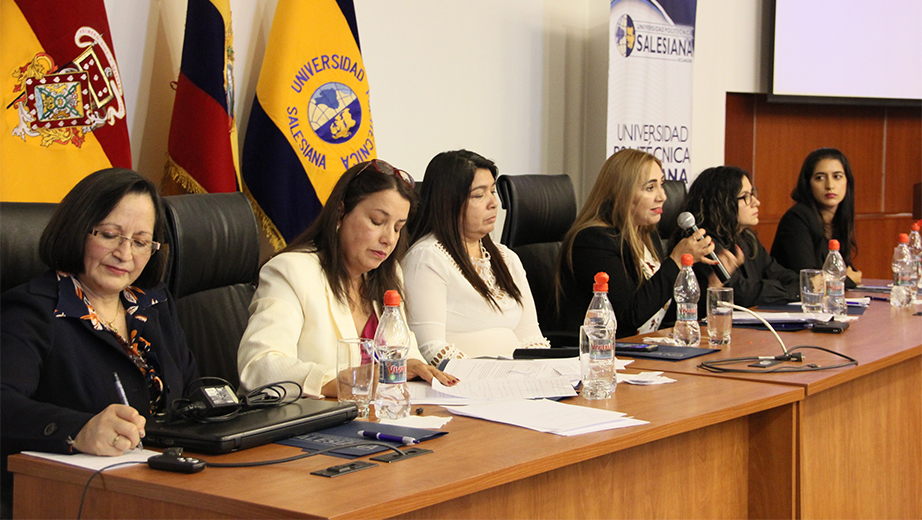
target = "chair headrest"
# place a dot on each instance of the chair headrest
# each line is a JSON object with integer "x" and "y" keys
{"x": 21, "y": 227}
{"x": 215, "y": 241}
{"x": 539, "y": 208}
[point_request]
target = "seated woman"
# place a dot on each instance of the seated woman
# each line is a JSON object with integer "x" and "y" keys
{"x": 100, "y": 310}
{"x": 615, "y": 232}
{"x": 329, "y": 284}
{"x": 724, "y": 200}
{"x": 824, "y": 209}
{"x": 466, "y": 295}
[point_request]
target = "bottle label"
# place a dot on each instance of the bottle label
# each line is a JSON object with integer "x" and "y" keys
{"x": 835, "y": 288}
{"x": 601, "y": 349}
{"x": 904, "y": 278}
{"x": 393, "y": 371}
{"x": 687, "y": 312}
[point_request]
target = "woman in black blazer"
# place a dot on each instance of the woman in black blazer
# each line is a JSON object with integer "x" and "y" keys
{"x": 824, "y": 209}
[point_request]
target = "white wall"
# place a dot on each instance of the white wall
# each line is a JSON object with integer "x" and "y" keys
{"x": 523, "y": 82}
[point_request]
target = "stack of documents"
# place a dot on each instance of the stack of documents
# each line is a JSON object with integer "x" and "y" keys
{"x": 547, "y": 416}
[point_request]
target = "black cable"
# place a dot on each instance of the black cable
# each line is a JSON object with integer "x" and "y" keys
{"x": 301, "y": 456}
{"x": 273, "y": 394}
{"x": 99, "y": 471}
{"x": 717, "y": 365}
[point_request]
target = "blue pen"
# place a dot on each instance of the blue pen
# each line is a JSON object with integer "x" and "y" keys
{"x": 121, "y": 395}
{"x": 386, "y": 437}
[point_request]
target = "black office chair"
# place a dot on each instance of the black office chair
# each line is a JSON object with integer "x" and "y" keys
{"x": 21, "y": 226}
{"x": 214, "y": 263}
{"x": 675, "y": 203}
{"x": 539, "y": 211}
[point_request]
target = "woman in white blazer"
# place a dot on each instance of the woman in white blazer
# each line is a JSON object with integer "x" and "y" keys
{"x": 329, "y": 284}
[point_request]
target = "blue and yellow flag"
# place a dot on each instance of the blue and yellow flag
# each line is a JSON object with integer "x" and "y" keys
{"x": 64, "y": 107}
{"x": 203, "y": 132}
{"x": 311, "y": 120}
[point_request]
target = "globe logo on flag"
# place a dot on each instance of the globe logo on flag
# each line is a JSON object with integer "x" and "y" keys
{"x": 334, "y": 112}
{"x": 625, "y": 35}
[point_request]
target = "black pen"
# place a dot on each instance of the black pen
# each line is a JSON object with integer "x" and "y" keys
{"x": 879, "y": 298}
{"x": 121, "y": 394}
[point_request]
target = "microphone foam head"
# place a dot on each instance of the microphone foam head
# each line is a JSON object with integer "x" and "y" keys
{"x": 686, "y": 220}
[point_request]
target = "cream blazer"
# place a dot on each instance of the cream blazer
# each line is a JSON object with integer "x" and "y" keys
{"x": 294, "y": 323}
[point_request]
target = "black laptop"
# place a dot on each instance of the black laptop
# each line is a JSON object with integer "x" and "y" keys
{"x": 250, "y": 428}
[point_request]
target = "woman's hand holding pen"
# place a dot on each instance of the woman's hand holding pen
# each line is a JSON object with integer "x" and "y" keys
{"x": 111, "y": 432}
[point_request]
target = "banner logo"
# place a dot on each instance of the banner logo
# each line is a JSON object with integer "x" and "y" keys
{"x": 654, "y": 40}
{"x": 625, "y": 35}
{"x": 62, "y": 106}
{"x": 334, "y": 112}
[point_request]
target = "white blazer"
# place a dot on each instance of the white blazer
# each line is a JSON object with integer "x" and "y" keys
{"x": 294, "y": 323}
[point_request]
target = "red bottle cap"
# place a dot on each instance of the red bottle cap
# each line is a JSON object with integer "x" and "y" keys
{"x": 904, "y": 238}
{"x": 833, "y": 245}
{"x": 391, "y": 298}
{"x": 688, "y": 259}
{"x": 601, "y": 282}
{"x": 916, "y": 225}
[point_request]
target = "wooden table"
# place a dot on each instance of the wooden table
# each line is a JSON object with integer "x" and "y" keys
{"x": 714, "y": 448}
{"x": 859, "y": 430}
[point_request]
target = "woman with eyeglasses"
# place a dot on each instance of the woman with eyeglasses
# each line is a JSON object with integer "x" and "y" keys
{"x": 615, "y": 232}
{"x": 100, "y": 310}
{"x": 824, "y": 209}
{"x": 329, "y": 284}
{"x": 467, "y": 296}
{"x": 724, "y": 201}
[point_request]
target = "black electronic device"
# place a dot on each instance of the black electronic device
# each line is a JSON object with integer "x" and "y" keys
{"x": 627, "y": 348}
{"x": 830, "y": 327}
{"x": 177, "y": 464}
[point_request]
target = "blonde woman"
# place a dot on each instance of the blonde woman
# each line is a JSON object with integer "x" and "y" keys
{"x": 615, "y": 232}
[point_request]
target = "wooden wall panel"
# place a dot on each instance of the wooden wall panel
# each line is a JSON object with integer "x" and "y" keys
{"x": 883, "y": 144}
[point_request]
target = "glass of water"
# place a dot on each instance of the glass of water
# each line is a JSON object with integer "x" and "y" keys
{"x": 812, "y": 290}
{"x": 355, "y": 373}
{"x": 720, "y": 317}
{"x": 597, "y": 362}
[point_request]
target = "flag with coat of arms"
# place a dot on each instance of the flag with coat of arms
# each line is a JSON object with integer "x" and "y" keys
{"x": 64, "y": 114}
{"x": 310, "y": 119}
{"x": 202, "y": 147}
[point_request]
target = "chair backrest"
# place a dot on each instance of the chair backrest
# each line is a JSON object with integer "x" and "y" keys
{"x": 21, "y": 226}
{"x": 675, "y": 203}
{"x": 212, "y": 274}
{"x": 539, "y": 211}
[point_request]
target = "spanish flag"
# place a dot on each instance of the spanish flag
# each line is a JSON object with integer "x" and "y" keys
{"x": 311, "y": 120}
{"x": 203, "y": 133}
{"x": 64, "y": 114}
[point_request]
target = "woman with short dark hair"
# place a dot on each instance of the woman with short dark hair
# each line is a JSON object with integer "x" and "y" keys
{"x": 100, "y": 310}
{"x": 824, "y": 209}
{"x": 466, "y": 295}
{"x": 329, "y": 284}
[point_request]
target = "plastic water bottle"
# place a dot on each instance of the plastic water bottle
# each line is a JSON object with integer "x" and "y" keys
{"x": 392, "y": 344}
{"x": 904, "y": 281}
{"x": 600, "y": 313}
{"x": 834, "y": 272}
{"x": 597, "y": 344}
{"x": 915, "y": 247}
{"x": 686, "y": 292}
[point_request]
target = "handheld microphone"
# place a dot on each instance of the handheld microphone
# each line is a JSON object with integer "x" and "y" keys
{"x": 686, "y": 221}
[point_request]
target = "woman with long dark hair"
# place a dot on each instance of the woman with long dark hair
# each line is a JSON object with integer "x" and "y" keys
{"x": 466, "y": 295}
{"x": 724, "y": 201}
{"x": 824, "y": 209}
{"x": 329, "y": 284}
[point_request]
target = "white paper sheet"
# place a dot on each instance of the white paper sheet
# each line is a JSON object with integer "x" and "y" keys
{"x": 547, "y": 416}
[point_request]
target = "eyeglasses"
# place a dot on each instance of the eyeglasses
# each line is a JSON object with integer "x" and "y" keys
{"x": 749, "y": 196}
{"x": 113, "y": 240}
{"x": 385, "y": 168}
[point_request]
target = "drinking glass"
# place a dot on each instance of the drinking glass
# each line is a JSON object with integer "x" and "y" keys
{"x": 720, "y": 318}
{"x": 355, "y": 372}
{"x": 597, "y": 362}
{"x": 812, "y": 290}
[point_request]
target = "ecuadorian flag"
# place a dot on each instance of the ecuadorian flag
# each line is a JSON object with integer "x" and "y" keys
{"x": 311, "y": 120}
{"x": 64, "y": 110}
{"x": 203, "y": 133}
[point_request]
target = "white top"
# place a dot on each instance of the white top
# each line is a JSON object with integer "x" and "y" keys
{"x": 444, "y": 308}
{"x": 294, "y": 323}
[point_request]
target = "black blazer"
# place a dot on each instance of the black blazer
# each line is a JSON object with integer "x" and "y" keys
{"x": 599, "y": 249}
{"x": 800, "y": 242}
{"x": 56, "y": 373}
